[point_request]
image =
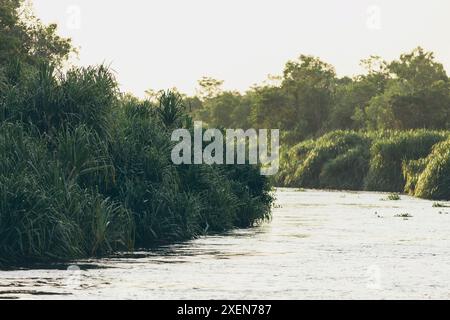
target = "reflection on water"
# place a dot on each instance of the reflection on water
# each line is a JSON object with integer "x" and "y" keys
{"x": 320, "y": 244}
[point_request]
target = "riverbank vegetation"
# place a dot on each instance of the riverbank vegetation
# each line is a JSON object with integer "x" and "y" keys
{"x": 384, "y": 130}
{"x": 86, "y": 170}
{"x": 416, "y": 162}
{"x": 309, "y": 100}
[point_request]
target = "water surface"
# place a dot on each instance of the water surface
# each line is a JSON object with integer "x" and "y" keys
{"x": 319, "y": 245}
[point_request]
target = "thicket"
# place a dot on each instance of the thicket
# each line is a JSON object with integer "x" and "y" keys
{"x": 414, "y": 161}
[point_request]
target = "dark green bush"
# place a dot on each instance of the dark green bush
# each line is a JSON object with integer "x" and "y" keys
{"x": 390, "y": 161}
{"x": 411, "y": 173}
{"x": 45, "y": 215}
{"x": 86, "y": 172}
{"x": 290, "y": 160}
{"x": 50, "y": 100}
{"x": 347, "y": 170}
{"x": 434, "y": 181}
{"x": 388, "y": 154}
{"x": 326, "y": 149}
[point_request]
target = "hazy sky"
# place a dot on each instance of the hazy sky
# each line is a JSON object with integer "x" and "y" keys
{"x": 172, "y": 43}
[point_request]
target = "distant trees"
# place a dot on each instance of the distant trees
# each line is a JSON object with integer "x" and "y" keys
{"x": 309, "y": 85}
{"x": 408, "y": 93}
{"x": 416, "y": 95}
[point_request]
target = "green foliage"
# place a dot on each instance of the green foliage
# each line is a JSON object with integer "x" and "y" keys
{"x": 415, "y": 95}
{"x": 388, "y": 154}
{"x": 84, "y": 172}
{"x": 290, "y": 159}
{"x": 413, "y": 161}
{"x": 346, "y": 171}
{"x": 25, "y": 39}
{"x": 45, "y": 215}
{"x": 171, "y": 109}
{"x": 308, "y": 99}
{"x": 434, "y": 182}
{"x": 338, "y": 151}
{"x": 252, "y": 192}
{"x": 411, "y": 172}
{"x": 393, "y": 196}
{"x": 51, "y": 101}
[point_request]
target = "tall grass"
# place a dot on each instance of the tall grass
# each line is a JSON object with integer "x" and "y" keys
{"x": 87, "y": 172}
{"x": 411, "y": 173}
{"x": 434, "y": 181}
{"x": 338, "y": 159}
{"x": 414, "y": 161}
{"x": 388, "y": 155}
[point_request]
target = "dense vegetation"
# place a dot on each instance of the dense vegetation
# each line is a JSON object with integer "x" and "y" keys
{"x": 376, "y": 131}
{"x": 86, "y": 170}
{"x": 309, "y": 100}
{"x": 415, "y": 161}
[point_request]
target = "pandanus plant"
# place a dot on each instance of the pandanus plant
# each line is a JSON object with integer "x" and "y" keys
{"x": 171, "y": 109}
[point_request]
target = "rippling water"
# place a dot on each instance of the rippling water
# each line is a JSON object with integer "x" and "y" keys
{"x": 319, "y": 245}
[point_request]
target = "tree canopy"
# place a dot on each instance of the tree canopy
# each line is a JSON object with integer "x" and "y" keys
{"x": 408, "y": 93}
{"x": 25, "y": 39}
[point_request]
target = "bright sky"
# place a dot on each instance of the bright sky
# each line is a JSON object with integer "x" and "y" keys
{"x": 161, "y": 44}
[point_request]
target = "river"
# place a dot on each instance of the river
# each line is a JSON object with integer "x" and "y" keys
{"x": 319, "y": 245}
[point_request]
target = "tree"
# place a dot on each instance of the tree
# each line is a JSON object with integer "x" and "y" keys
{"x": 25, "y": 39}
{"x": 418, "y": 69}
{"x": 416, "y": 95}
{"x": 269, "y": 108}
{"x": 209, "y": 87}
{"x": 353, "y": 95}
{"x": 309, "y": 99}
{"x": 309, "y": 86}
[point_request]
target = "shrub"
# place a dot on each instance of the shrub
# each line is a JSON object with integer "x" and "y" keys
{"x": 411, "y": 172}
{"x": 327, "y": 148}
{"x": 387, "y": 156}
{"x": 434, "y": 182}
{"x": 347, "y": 170}
{"x": 43, "y": 215}
{"x": 49, "y": 100}
{"x": 390, "y": 161}
{"x": 84, "y": 172}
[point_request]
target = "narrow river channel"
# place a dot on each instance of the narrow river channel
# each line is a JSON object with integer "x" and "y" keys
{"x": 319, "y": 245}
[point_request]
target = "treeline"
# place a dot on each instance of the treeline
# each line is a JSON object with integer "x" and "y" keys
{"x": 309, "y": 100}
{"x": 414, "y": 161}
{"x": 86, "y": 170}
{"x": 384, "y": 130}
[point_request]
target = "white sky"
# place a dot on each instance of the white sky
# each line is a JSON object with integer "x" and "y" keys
{"x": 161, "y": 44}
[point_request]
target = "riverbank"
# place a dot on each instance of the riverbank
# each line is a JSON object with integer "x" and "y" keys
{"x": 86, "y": 171}
{"x": 416, "y": 162}
{"x": 319, "y": 245}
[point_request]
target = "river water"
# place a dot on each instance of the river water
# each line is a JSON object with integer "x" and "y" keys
{"x": 319, "y": 245}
